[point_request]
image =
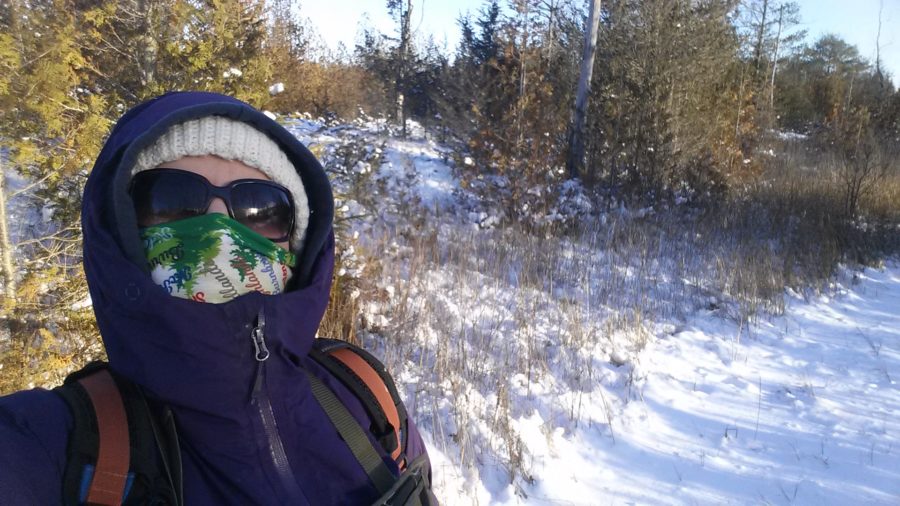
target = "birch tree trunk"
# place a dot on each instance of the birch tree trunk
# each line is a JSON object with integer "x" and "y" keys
{"x": 575, "y": 161}
{"x": 403, "y": 64}
{"x": 6, "y": 247}
{"x": 775, "y": 60}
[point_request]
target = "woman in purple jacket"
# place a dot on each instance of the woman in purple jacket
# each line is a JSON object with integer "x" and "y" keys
{"x": 208, "y": 250}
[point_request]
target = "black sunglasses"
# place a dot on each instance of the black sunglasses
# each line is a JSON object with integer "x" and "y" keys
{"x": 164, "y": 195}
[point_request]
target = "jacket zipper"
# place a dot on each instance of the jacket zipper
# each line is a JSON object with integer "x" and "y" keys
{"x": 266, "y": 414}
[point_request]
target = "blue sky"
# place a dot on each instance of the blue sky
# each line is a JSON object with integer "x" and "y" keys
{"x": 856, "y": 21}
{"x": 339, "y": 20}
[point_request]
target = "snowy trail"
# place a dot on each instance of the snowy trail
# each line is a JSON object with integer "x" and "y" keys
{"x": 804, "y": 411}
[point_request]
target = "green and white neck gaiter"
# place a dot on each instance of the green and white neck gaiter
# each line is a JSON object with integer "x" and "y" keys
{"x": 213, "y": 258}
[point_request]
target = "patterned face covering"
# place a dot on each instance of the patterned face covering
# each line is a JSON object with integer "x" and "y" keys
{"x": 213, "y": 258}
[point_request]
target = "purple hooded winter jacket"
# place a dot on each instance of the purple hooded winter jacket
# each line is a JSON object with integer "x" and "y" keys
{"x": 241, "y": 442}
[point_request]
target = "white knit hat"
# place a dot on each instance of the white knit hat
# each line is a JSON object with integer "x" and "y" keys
{"x": 231, "y": 140}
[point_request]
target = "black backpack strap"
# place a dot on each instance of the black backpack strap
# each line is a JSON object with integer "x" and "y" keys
{"x": 165, "y": 437}
{"x": 353, "y": 435}
{"x": 413, "y": 488}
{"x": 154, "y": 464}
{"x": 363, "y": 382}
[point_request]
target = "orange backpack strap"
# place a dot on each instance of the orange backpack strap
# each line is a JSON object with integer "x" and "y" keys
{"x": 121, "y": 449}
{"x": 370, "y": 382}
{"x": 114, "y": 453}
{"x": 373, "y": 380}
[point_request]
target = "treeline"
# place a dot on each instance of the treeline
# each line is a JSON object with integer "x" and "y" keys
{"x": 684, "y": 94}
{"x": 684, "y": 98}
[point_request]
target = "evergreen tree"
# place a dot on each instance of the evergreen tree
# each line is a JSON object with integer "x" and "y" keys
{"x": 215, "y": 45}
{"x": 52, "y": 125}
{"x": 670, "y": 102}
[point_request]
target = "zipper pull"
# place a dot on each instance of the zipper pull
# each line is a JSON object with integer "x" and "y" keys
{"x": 259, "y": 338}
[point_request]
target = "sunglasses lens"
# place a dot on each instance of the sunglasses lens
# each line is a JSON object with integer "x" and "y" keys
{"x": 164, "y": 196}
{"x": 264, "y": 208}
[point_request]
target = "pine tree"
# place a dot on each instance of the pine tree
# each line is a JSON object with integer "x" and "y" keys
{"x": 53, "y": 126}
{"x": 219, "y": 46}
{"x": 669, "y": 104}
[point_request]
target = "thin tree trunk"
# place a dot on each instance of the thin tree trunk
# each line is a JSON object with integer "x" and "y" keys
{"x": 148, "y": 46}
{"x": 737, "y": 118}
{"x": 849, "y": 95}
{"x": 405, "y": 41}
{"x": 523, "y": 82}
{"x": 878, "y": 71}
{"x": 575, "y": 161}
{"x": 775, "y": 61}
{"x": 760, "y": 39}
{"x": 6, "y": 247}
{"x": 551, "y": 11}
{"x": 522, "y": 53}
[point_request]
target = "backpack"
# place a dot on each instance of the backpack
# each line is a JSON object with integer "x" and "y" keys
{"x": 124, "y": 449}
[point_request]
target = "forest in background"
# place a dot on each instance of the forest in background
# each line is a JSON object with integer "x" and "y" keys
{"x": 688, "y": 107}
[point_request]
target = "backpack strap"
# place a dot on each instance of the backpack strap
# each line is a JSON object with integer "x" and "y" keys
{"x": 353, "y": 435}
{"x": 370, "y": 382}
{"x": 101, "y": 429}
{"x": 113, "y": 452}
{"x": 117, "y": 443}
{"x": 413, "y": 488}
{"x": 376, "y": 384}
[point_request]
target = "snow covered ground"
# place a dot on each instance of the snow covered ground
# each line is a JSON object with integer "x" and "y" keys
{"x": 802, "y": 408}
{"x": 804, "y": 411}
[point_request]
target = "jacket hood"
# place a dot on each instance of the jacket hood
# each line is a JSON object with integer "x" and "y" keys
{"x": 196, "y": 357}
{"x": 115, "y": 262}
